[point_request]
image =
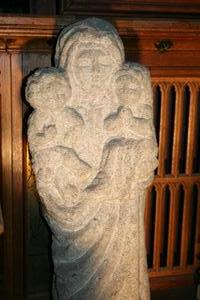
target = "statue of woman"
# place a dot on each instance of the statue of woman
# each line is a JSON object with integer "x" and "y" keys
{"x": 92, "y": 179}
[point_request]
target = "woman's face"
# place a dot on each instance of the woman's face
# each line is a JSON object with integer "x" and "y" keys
{"x": 93, "y": 67}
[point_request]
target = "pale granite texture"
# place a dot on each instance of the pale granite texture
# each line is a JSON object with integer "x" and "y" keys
{"x": 93, "y": 150}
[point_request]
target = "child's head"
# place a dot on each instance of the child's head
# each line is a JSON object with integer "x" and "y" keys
{"x": 48, "y": 89}
{"x": 131, "y": 90}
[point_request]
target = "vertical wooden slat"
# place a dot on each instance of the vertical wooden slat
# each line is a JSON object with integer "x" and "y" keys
{"x": 149, "y": 222}
{"x": 185, "y": 226}
{"x": 177, "y": 128}
{"x": 6, "y": 156}
{"x": 170, "y": 128}
{"x": 12, "y": 187}
{"x": 158, "y": 227}
{"x": 163, "y": 128}
{"x": 197, "y": 237}
{"x": 172, "y": 226}
{"x": 147, "y": 217}
{"x": 17, "y": 173}
{"x": 156, "y": 109}
{"x": 192, "y": 127}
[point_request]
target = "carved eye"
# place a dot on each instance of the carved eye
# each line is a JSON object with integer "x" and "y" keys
{"x": 120, "y": 86}
{"x": 104, "y": 66}
{"x": 84, "y": 62}
{"x": 104, "y": 62}
{"x": 133, "y": 86}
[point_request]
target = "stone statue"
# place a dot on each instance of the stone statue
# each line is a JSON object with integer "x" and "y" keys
{"x": 93, "y": 149}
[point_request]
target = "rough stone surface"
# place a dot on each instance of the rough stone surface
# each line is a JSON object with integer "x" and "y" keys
{"x": 93, "y": 149}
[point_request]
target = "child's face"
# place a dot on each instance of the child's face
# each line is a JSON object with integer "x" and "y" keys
{"x": 33, "y": 94}
{"x": 131, "y": 92}
{"x": 56, "y": 94}
{"x": 128, "y": 89}
{"x": 49, "y": 94}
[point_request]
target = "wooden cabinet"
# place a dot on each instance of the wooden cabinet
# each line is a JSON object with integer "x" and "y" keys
{"x": 171, "y": 49}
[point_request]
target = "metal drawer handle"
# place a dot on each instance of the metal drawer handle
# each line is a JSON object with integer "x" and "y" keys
{"x": 163, "y": 45}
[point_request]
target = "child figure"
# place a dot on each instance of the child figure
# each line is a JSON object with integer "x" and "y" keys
{"x": 47, "y": 91}
{"x": 133, "y": 119}
{"x": 134, "y": 90}
{"x": 132, "y": 123}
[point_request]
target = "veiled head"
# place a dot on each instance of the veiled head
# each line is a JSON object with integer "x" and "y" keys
{"x": 91, "y": 52}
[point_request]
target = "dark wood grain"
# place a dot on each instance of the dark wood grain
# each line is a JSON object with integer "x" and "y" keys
{"x": 129, "y": 7}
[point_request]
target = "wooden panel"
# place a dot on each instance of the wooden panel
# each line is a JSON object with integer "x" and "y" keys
{"x": 178, "y": 218}
{"x": 42, "y": 7}
{"x": 6, "y": 173}
{"x": 129, "y": 7}
{"x": 171, "y": 281}
{"x": 11, "y": 150}
{"x": 1, "y": 168}
{"x": 197, "y": 237}
{"x": 17, "y": 172}
{"x": 192, "y": 128}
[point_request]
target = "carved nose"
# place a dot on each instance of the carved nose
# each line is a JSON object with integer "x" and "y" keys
{"x": 96, "y": 68}
{"x": 147, "y": 109}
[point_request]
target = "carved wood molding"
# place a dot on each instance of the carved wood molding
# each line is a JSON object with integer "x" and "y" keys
{"x": 140, "y": 37}
{"x": 49, "y": 26}
{"x": 129, "y": 7}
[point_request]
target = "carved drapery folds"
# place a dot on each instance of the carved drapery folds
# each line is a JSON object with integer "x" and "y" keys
{"x": 93, "y": 150}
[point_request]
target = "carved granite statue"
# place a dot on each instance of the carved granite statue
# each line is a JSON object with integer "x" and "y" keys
{"x": 93, "y": 149}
